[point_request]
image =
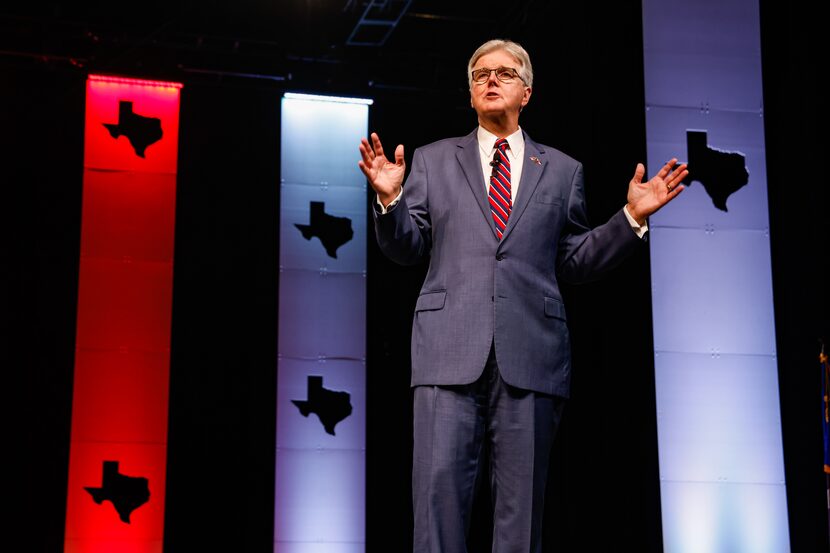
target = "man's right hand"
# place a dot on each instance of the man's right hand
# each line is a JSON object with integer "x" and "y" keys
{"x": 384, "y": 176}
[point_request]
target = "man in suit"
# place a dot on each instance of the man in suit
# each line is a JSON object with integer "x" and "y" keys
{"x": 502, "y": 219}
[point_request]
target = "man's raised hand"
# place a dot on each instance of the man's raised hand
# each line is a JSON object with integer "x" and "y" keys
{"x": 645, "y": 198}
{"x": 385, "y": 177}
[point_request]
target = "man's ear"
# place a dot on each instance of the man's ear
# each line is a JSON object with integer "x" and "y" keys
{"x": 526, "y": 99}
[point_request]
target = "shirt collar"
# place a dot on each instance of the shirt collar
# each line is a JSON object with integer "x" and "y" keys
{"x": 487, "y": 142}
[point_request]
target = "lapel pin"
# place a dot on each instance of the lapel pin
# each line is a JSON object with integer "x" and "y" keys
{"x": 535, "y": 160}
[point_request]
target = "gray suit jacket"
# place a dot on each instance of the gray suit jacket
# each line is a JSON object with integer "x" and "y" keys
{"x": 481, "y": 291}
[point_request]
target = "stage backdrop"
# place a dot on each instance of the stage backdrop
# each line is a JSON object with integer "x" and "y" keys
{"x": 719, "y": 424}
{"x": 321, "y": 382}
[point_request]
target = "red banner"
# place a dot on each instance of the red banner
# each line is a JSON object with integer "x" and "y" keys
{"x": 115, "y": 500}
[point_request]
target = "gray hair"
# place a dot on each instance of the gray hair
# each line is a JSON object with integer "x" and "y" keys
{"x": 513, "y": 48}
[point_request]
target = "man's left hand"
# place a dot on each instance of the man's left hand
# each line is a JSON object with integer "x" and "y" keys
{"x": 645, "y": 198}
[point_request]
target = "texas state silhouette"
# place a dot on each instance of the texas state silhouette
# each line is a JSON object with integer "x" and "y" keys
{"x": 141, "y": 131}
{"x": 721, "y": 173}
{"x": 126, "y": 493}
{"x": 330, "y": 406}
{"x": 332, "y": 231}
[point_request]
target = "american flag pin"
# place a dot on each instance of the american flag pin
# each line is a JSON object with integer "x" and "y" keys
{"x": 535, "y": 160}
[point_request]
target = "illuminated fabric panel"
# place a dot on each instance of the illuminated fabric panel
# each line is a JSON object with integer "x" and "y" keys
{"x": 320, "y": 484}
{"x": 719, "y": 425}
{"x": 117, "y": 460}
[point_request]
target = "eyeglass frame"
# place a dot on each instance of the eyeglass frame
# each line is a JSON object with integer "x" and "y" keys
{"x": 490, "y": 71}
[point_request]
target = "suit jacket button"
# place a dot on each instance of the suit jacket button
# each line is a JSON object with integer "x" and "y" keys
{"x": 499, "y": 257}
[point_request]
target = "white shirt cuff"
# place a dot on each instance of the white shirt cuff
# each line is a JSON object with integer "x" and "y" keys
{"x": 393, "y": 203}
{"x": 641, "y": 230}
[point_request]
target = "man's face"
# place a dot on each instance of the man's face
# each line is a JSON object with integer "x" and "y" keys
{"x": 494, "y": 97}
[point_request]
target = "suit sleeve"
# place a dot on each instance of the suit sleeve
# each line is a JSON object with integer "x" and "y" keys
{"x": 404, "y": 232}
{"x": 586, "y": 254}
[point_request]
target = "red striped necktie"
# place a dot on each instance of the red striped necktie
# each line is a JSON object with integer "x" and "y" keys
{"x": 501, "y": 201}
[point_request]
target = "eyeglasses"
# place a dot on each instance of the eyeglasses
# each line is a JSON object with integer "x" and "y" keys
{"x": 504, "y": 74}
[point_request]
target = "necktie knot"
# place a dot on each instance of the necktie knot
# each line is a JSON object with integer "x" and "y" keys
{"x": 502, "y": 144}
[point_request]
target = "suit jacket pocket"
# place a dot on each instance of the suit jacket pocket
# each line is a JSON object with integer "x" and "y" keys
{"x": 430, "y": 301}
{"x": 554, "y": 308}
{"x": 548, "y": 197}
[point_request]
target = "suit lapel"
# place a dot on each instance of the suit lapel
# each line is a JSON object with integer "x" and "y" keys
{"x": 529, "y": 180}
{"x": 470, "y": 161}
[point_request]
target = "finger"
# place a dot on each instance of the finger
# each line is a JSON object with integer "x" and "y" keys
{"x": 638, "y": 173}
{"x": 677, "y": 176}
{"x": 377, "y": 145}
{"x": 678, "y": 169}
{"x": 667, "y": 167}
{"x": 399, "y": 155}
{"x": 674, "y": 192}
{"x": 366, "y": 152}
{"x": 366, "y": 169}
